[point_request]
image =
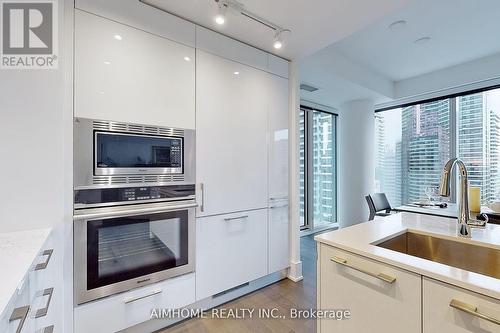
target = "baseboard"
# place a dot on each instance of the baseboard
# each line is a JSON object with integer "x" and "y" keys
{"x": 295, "y": 271}
{"x": 210, "y": 302}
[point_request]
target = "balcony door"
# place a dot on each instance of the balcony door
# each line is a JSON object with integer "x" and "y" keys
{"x": 318, "y": 168}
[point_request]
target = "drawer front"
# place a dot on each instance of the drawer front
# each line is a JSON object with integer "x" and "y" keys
{"x": 279, "y": 236}
{"x": 118, "y": 312}
{"x": 230, "y": 250}
{"x": 441, "y": 317}
{"x": 388, "y": 303}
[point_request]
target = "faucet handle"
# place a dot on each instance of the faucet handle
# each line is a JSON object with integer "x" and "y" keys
{"x": 479, "y": 223}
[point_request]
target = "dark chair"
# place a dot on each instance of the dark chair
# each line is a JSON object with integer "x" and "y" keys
{"x": 378, "y": 205}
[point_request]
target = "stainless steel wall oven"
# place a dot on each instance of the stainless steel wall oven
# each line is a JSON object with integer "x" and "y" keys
{"x": 134, "y": 200}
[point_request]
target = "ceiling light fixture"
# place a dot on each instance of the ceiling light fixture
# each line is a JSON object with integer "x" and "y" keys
{"x": 278, "y": 42}
{"x": 234, "y": 6}
{"x": 107, "y": 62}
{"x": 118, "y": 37}
{"x": 236, "y": 73}
{"x": 220, "y": 18}
{"x": 187, "y": 59}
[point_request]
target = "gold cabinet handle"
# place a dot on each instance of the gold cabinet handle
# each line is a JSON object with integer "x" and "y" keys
{"x": 472, "y": 310}
{"x": 380, "y": 276}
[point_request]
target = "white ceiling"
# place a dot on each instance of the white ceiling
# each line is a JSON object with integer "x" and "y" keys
{"x": 315, "y": 24}
{"x": 461, "y": 31}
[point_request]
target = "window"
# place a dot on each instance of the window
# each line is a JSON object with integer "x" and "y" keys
{"x": 414, "y": 142}
{"x": 318, "y": 172}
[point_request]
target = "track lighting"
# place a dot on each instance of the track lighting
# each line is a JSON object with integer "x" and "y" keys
{"x": 278, "y": 40}
{"x": 220, "y": 18}
{"x": 235, "y": 7}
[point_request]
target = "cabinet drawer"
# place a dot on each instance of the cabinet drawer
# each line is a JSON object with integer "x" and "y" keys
{"x": 381, "y": 296}
{"x": 440, "y": 317}
{"x": 118, "y": 312}
{"x": 279, "y": 236}
{"x": 231, "y": 250}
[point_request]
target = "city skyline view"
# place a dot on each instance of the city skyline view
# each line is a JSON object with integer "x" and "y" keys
{"x": 413, "y": 143}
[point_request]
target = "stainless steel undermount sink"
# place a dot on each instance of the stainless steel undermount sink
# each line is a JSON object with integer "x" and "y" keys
{"x": 467, "y": 256}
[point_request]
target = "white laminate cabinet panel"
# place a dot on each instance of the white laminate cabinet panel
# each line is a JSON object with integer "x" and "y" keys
{"x": 218, "y": 44}
{"x": 231, "y": 135}
{"x": 279, "y": 236}
{"x": 278, "y": 66}
{"x": 375, "y": 305}
{"x": 112, "y": 314}
{"x": 439, "y": 317}
{"x": 278, "y": 137}
{"x": 142, "y": 16}
{"x": 142, "y": 78}
{"x": 230, "y": 250}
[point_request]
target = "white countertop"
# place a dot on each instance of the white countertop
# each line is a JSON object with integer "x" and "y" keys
{"x": 18, "y": 250}
{"x": 358, "y": 239}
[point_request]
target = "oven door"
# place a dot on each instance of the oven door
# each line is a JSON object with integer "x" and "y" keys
{"x": 118, "y": 249}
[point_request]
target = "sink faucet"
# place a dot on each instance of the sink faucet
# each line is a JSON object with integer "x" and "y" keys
{"x": 465, "y": 223}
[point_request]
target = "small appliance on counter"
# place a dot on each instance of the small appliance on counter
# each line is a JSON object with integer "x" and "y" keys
{"x": 134, "y": 196}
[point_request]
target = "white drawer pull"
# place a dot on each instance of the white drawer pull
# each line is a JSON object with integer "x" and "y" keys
{"x": 472, "y": 310}
{"x": 235, "y": 218}
{"x": 43, "y": 265}
{"x": 380, "y": 276}
{"x": 137, "y": 298}
{"x": 19, "y": 314}
{"x": 202, "y": 206}
{"x": 43, "y": 312}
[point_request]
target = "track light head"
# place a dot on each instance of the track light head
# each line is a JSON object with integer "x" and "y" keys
{"x": 220, "y": 18}
{"x": 278, "y": 39}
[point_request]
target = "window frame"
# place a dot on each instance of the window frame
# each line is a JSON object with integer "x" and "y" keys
{"x": 308, "y": 165}
{"x": 454, "y": 135}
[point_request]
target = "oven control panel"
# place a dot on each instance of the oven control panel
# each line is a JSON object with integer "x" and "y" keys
{"x": 125, "y": 195}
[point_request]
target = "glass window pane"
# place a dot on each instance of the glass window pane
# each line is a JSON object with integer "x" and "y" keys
{"x": 412, "y": 145}
{"x": 324, "y": 172}
{"x": 302, "y": 169}
{"x": 478, "y": 141}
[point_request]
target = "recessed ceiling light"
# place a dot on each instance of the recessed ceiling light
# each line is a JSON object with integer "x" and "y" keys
{"x": 187, "y": 58}
{"x": 422, "y": 40}
{"x": 118, "y": 37}
{"x": 397, "y": 25}
{"x": 107, "y": 62}
{"x": 236, "y": 73}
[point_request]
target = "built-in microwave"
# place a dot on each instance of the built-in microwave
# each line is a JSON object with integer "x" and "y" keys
{"x": 110, "y": 153}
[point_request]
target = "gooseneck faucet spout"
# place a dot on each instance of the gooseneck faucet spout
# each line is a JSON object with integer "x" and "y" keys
{"x": 465, "y": 223}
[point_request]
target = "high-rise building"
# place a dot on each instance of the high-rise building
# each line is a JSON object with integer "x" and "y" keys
{"x": 425, "y": 147}
{"x": 479, "y": 139}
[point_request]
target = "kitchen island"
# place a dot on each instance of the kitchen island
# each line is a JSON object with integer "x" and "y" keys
{"x": 410, "y": 272}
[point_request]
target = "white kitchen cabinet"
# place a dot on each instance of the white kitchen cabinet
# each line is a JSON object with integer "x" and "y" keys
{"x": 40, "y": 294}
{"x": 375, "y": 305}
{"x": 139, "y": 77}
{"x": 440, "y": 317}
{"x": 278, "y": 138}
{"x": 278, "y": 236}
{"x": 231, "y": 136}
{"x": 230, "y": 250}
{"x": 118, "y": 312}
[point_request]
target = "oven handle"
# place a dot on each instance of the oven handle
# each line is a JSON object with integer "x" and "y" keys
{"x": 134, "y": 211}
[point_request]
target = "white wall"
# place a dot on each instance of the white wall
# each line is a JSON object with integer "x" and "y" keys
{"x": 356, "y": 169}
{"x": 32, "y": 144}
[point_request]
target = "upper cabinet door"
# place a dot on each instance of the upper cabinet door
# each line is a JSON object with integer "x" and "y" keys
{"x": 126, "y": 74}
{"x": 278, "y": 140}
{"x": 231, "y": 135}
